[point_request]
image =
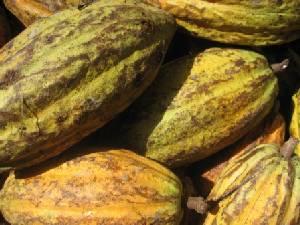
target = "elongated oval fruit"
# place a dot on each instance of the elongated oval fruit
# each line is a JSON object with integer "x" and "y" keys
{"x": 4, "y": 28}
{"x": 270, "y": 131}
{"x": 112, "y": 187}
{"x": 238, "y": 22}
{"x": 258, "y": 187}
{"x": 198, "y": 105}
{"x": 28, "y": 11}
{"x": 70, "y": 73}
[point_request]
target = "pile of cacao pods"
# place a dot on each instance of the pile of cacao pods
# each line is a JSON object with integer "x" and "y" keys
{"x": 150, "y": 112}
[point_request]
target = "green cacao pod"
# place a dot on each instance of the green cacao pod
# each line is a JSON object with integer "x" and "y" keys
{"x": 28, "y": 11}
{"x": 258, "y": 187}
{"x": 197, "y": 106}
{"x": 70, "y": 73}
{"x": 238, "y": 22}
{"x": 4, "y": 28}
{"x": 113, "y": 187}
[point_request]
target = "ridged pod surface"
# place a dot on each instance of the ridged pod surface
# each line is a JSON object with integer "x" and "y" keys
{"x": 258, "y": 187}
{"x": 114, "y": 187}
{"x": 295, "y": 122}
{"x": 28, "y": 11}
{"x": 198, "y": 105}
{"x": 270, "y": 131}
{"x": 240, "y": 22}
{"x": 4, "y": 28}
{"x": 70, "y": 73}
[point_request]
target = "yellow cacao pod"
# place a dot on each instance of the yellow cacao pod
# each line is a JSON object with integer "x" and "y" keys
{"x": 113, "y": 187}
{"x": 70, "y": 73}
{"x": 28, "y": 11}
{"x": 270, "y": 131}
{"x": 238, "y": 22}
{"x": 197, "y": 106}
{"x": 258, "y": 187}
{"x": 295, "y": 122}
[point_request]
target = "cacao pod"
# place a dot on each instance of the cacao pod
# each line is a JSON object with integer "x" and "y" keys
{"x": 270, "y": 131}
{"x": 113, "y": 187}
{"x": 295, "y": 122}
{"x": 28, "y": 11}
{"x": 258, "y": 187}
{"x": 237, "y": 22}
{"x": 197, "y": 106}
{"x": 70, "y": 73}
{"x": 4, "y": 28}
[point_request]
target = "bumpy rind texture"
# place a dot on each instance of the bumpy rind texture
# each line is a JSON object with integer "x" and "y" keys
{"x": 69, "y": 74}
{"x": 28, "y": 11}
{"x": 238, "y": 22}
{"x": 295, "y": 122}
{"x": 114, "y": 187}
{"x": 198, "y": 105}
{"x": 258, "y": 187}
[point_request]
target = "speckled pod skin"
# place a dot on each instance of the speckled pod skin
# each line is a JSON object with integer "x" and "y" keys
{"x": 115, "y": 187}
{"x": 258, "y": 187}
{"x": 70, "y": 73}
{"x": 199, "y": 105}
{"x": 4, "y": 28}
{"x": 242, "y": 22}
{"x": 28, "y": 11}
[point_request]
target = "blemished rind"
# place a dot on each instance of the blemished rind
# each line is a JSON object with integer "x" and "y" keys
{"x": 295, "y": 121}
{"x": 261, "y": 180}
{"x": 112, "y": 187}
{"x": 244, "y": 22}
{"x": 28, "y": 11}
{"x": 68, "y": 74}
{"x": 198, "y": 105}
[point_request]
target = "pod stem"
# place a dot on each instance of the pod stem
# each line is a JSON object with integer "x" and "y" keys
{"x": 288, "y": 147}
{"x": 198, "y": 204}
{"x": 279, "y": 67}
{"x": 5, "y": 169}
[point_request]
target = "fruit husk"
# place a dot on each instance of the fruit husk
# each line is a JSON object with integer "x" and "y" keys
{"x": 269, "y": 131}
{"x": 197, "y": 106}
{"x": 295, "y": 121}
{"x": 93, "y": 185}
{"x": 254, "y": 23}
{"x": 266, "y": 179}
{"x": 60, "y": 82}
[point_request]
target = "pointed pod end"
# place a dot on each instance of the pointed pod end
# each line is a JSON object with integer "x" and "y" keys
{"x": 279, "y": 67}
{"x": 289, "y": 147}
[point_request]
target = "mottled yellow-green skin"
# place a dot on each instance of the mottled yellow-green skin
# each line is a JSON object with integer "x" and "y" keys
{"x": 246, "y": 22}
{"x": 69, "y": 74}
{"x": 295, "y": 122}
{"x": 257, "y": 187}
{"x": 116, "y": 187}
{"x": 199, "y": 105}
{"x": 28, "y": 11}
